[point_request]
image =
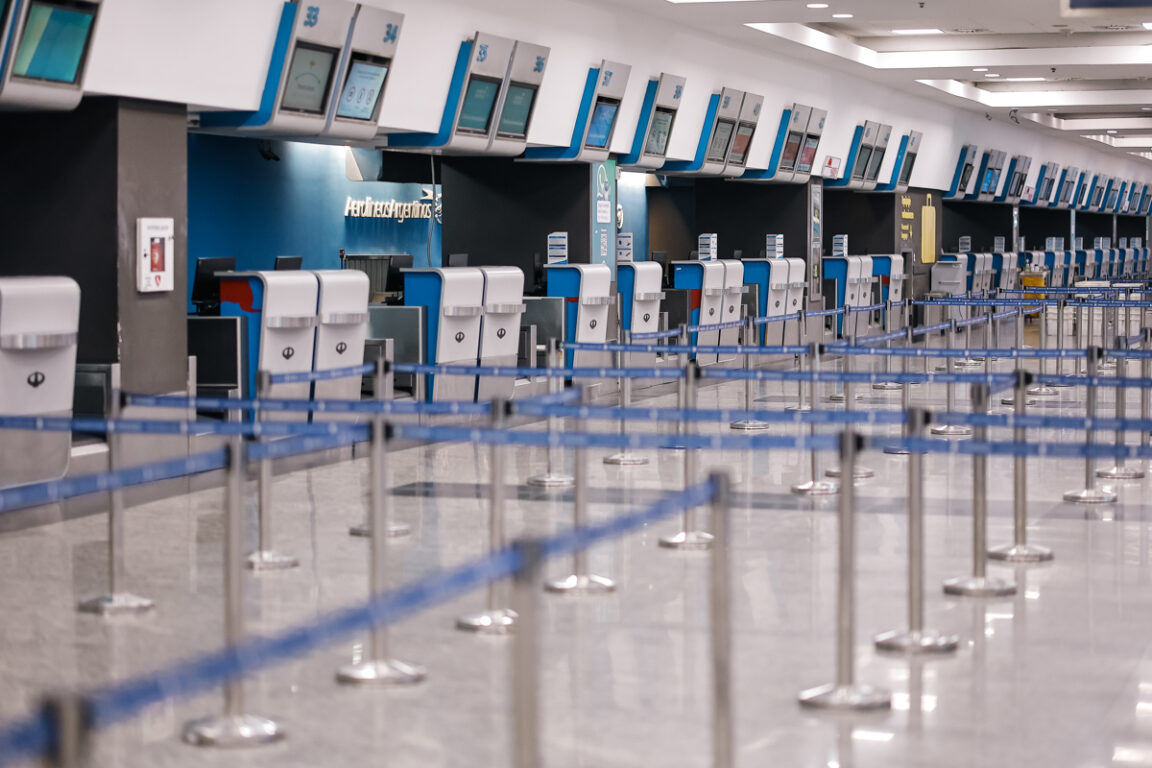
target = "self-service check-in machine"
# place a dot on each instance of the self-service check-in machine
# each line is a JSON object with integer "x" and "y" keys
{"x": 794, "y": 152}
{"x": 979, "y": 268}
{"x": 500, "y": 329}
{"x": 1065, "y": 188}
{"x": 963, "y": 176}
{"x": 1005, "y": 271}
{"x": 1129, "y": 262}
{"x": 341, "y": 328}
{"x": 1018, "y": 168}
{"x": 587, "y": 289}
{"x": 453, "y": 298}
{"x": 890, "y": 271}
{"x": 797, "y": 283}
{"x": 596, "y": 119}
{"x": 705, "y": 280}
{"x": 363, "y": 73}
{"x": 991, "y": 169}
{"x": 950, "y": 277}
{"x": 906, "y": 155}
{"x": 39, "y": 321}
{"x": 655, "y": 124}
{"x": 717, "y": 136}
{"x": 844, "y": 279}
{"x": 491, "y": 100}
{"x": 639, "y": 283}
{"x": 770, "y": 276}
{"x": 1059, "y": 263}
{"x": 865, "y": 156}
{"x": 1046, "y": 179}
{"x": 734, "y": 290}
{"x": 742, "y": 135}
{"x": 44, "y": 52}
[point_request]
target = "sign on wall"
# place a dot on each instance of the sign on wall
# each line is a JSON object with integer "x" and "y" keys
{"x": 603, "y": 239}
{"x": 155, "y": 239}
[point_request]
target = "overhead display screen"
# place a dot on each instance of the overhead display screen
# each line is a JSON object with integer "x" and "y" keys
{"x": 1066, "y": 191}
{"x": 603, "y": 119}
{"x": 1017, "y": 185}
{"x": 721, "y": 135}
{"x": 808, "y": 154}
{"x": 1046, "y": 189}
{"x": 965, "y": 177}
{"x": 862, "y": 162}
{"x": 517, "y": 111}
{"x": 54, "y": 41}
{"x": 739, "y": 152}
{"x": 309, "y": 79}
{"x": 479, "y": 101}
{"x": 874, "y": 165}
{"x": 659, "y": 132}
{"x": 1097, "y": 195}
{"x": 791, "y": 150}
{"x": 363, "y": 87}
{"x": 906, "y": 170}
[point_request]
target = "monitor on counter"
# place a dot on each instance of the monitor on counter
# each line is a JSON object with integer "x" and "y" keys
{"x": 206, "y": 284}
{"x": 476, "y": 108}
{"x": 808, "y": 154}
{"x": 873, "y": 173}
{"x": 862, "y": 158}
{"x": 517, "y": 111}
{"x": 309, "y": 79}
{"x": 54, "y": 40}
{"x": 791, "y": 150}
{"x": 721, "y": 137}
{"x": 738, "y": 155}
{"x": 399, "y": 261}
{"x": 363, "y": 88}
{"x": 284, "y": 263}
{"x": 906, "y": 169}
{"x": 457, "y": 260}
{"x": 602, "y": 123}
{"x": 659, "y": 132}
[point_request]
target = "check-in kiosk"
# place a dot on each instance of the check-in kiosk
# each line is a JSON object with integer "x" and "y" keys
{"x": 991, "y": 169}
{"x": 596, "y": 119}
{"x": 587, "y": 288}
{"x": 500, "y": 328}
{"x": 1065, "y": 188}
{"x": 639, "y": 283}
{"x": 363, "y": 73}
{"x": 299, "y": 90}
{"x": 844, "y": 279}
{"x": 1058, "y": 264}
{"x": 1092, "y": 196}
{"x": 655, "y": 124}
{"x": 979, "y": 278}
{"x": 906, "y": 154}
{"x": 342, "y": 327}
{"x": 797, "y": 283}
{"x": 39, "y": 321}
{"x": 453, "y": 299}
{"x": 44, "y": 46}
{"x": 1129, "y": 269}
{"x": 1112, "y": 194}
{"x": 278, "y": 310}
{"x": 865, "y": 156}
{"x": 716, "y": 137}
{"x": 491, "y": 100}
{"x": 794, "y": 152}
{"x": 1005, "y": 271}
{"x": 1017, "y": 174}
{"x": 770, "y": 276}
{"x": 1045, "y": 184}
{"x": 734, "y": 290}
{"x": 743, "y": 134}
{"x": 705, "y": 280}
{"x": 949, "y": 277}
{"x": 889, "y": 270}
{"x": 963, "y": 177}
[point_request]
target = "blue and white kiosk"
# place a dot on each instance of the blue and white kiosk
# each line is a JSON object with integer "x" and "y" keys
{"x": 962, "y": 178}
{"x": 794, "y": 152}
{"x": 1018, "y": 168}
{"x": 1045, "y": 184}
{"x": 706, "y": 282}
{"x": 341, "y": 328}
{"x": 655, "y": 123}
{"x": 989, "y": 174}
{"x": 44, "y": 54}
{"x": 596, "y": 120}
{"x": 889, "y": 269}
{"x": 770, "y": 276}
{"x": 865, "y": 157}
{"x": 1065, "y": 188}
{"x": 587, "y": 289}
{"x": 851, "y": 284}
{"x": 500, "y": 329}
{"x": 638, "y": 283}
{"x": 742, "y": 135}
{"x": 717, "y": 135}
{"x": 1005, "y": 271}
{"x": 453, "y": 298}
{"x": 906, "y": 154}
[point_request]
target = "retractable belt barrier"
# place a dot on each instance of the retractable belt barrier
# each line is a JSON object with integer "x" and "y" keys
{"x": 656, "y": 335}
{"x": 869, "y": 308}
{"x": 526, "y": 372}
{"x": 327, "y": 375}
{"x": 773, "y": 319}
{"x": 690, "y": 349}
{"x": 714, "y": 327}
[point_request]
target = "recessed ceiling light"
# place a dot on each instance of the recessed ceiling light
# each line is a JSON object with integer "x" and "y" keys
{"x": 817, "y": 6}
{"x": 1024, "y": 79}
{"x": 1147, "y": 25}
{"x": 917, "y": 31}
{"x": 841, "y": 15}
{"x": 979, "y": 69}
{"x": 1110, "y": 130}
{"x": 1146, "y": 109}
{"x": 991, "y": 74}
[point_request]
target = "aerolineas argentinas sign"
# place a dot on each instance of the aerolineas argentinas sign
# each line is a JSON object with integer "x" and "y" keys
{"x": 400, "y": 211}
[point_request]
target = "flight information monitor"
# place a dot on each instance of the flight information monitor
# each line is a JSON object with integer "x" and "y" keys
{"x": 517, "y": 111}
{"x": 363, "y": 87}
{"x": 1066, "y": 191}
{"x": 603, "y": 120}
{"x": 1046, "y": 189}
{"x": 1110, "y": 203}
{"x": 965, "y": 176}
{"x": 309, "y": 78}
{"x": 862, "y": 162}
{"x": 659, "y": 132}
{"x": 1017, "y": 184}
{"x": 874, "y": 165}
{"x": 906, "y": 169}
{"x": 54, "y": 40}
{"x": 479, "y": 101}
{"x": 1097, "y": 195}
{"x": 721, "y": 135}
{"x": 739, "y": 152}
{"x": 808, "y": 154}
{"x": 791, "y": 150}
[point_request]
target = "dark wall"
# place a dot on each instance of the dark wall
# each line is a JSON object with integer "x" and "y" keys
{"x": 672, "y": 221}
{"x": 1092, "y": 225}
{"x": 983, "y": 222}
{"x": 1132, "y": 226}
{"x": 869, "y": 220}
{"x": 500, "y": 211}
{"x": 742, "y": 214}
{"x": 1038, "y": 224}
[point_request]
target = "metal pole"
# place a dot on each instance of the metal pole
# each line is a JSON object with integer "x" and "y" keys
{"x": 800, "y": 405}
{"x": 1091, "y": 494}
{"x": 859, "y": 472}
{"x": 905, "y": 400}
{"x": 525, "y": 657}
{"x": 723, "y": 750}
{"x": 625, "y": 457}
{"x": 383, "y": 389}
{"x": 71, "y": 718}
{"x": 1040, "y": 389}
{"x": 749, "y": 425}
{"x": 951, "y": 430}
{"x": 1145, "y": 392}
{"x": 234, "y": 728}
{"x": 265, "y": 557}
{"x": 817, "y": 486}
{"x": 1120, "y": 470}
{"x": 690, "y": 537}
{"x": 845, "y": 693}
{"x": 553, "y": 477}
{"x": 887, "y": 386}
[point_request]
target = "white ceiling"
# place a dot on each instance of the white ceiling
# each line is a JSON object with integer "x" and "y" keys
{"x": 1097, "y": 67}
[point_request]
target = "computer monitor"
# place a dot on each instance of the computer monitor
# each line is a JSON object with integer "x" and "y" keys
{"x": 457, "y": 260}
{"x": 476, "y": 108}
{"x": 206, "y": 285}
{"x": 54, "y": 40}
{"x": 873, "y": 172}
{"x": 398, "y": 262}
{"x": 517, "y": 111}
{"x": 363, "y": 87}
{"x": 808, "y": 154}
{"x": 791, "y": 150}
{"x": 740, "y": 143}
{"x": 602, "y": 123}
{"x": 906, "y": 169}
{"x": 721, "y": 137}
{"x": 288, "y": 262}
{"x": 862, "y": 162}
{"x": 659, "y": 132}
{"x": 309, "y": 78}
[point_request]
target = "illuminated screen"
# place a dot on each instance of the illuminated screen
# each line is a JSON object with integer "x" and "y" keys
{"x": 965, "y": 176}
{"x": 1080, "y": 197}
{"x": 986, "y": 185}
{"x": 517, "y": 111}
{"x": 791, "y": 150}
{"x": 995, "y": 183}
{"x": 906, "y": 171}
{"x": 740, "y": 144}
{"x": 363, "y": 87}
{"x": 1046, "y": 189}
{"x": 874, "y": 166}
{"x": 1017, "y": 185}
{"x": 1111, "y": 199}
{"x": 53, "y": 42}
{"x": 603, "y": 119}
{"x": 861, "y": 162}
{"x": 476, "y": 109}
{"x": 718, "y": 147}
{"x": 659, "y": 131}
{"x": 309, "y": 78}
{"x": 808, "y": 155}
{"x": 1097, "y": 195}
{"x": 1066, "y": 191}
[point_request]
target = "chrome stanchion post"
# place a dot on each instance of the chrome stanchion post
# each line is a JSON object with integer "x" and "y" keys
{"x": 845, "y": 693}
{"x": 553, "y": 477}
{"x": 525, "y": 657}
{"x": 383, "y": 390}
{"x": 802, "y": 360}
{"x": 723, "y": 752}
{"x": 1120, "y": 470}
{"x": 916, "y": 639}
{"x": 859, "y": 472}
{"x": 905, "y": 402}
{"x": 1042, "y": 366}
{"x": 234, "y": 728}
{"x": 70, "y": 715}
{"x": 625, "y": 457}
{"x": 749, "y": 425}
{"x": 378, "y": 668}
{"x": 691, "y": 537}
{"x": 1020, "y": 551}
{"x": 581, "y": 582}
{"x": 494, "y": 620}
{"x": 265, "y": 557}
{"x": 1091, "y": 494}
{"x": 1059, "y": 340}
{"x": 1145, "y": 392}
{"x": 951, "y": 430}
{"x": 115, "y": 602}
{"x": 1020, "y": 319}
{"x": 817, "y": 486}
{"x": 887, "y": 386}
{"x": 979, "y": 585}
{"x": 967, "y": 361}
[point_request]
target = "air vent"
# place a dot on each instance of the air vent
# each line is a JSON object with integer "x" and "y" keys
{"x": 1116, "y": 27}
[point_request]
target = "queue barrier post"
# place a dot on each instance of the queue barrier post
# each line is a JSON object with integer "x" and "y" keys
{"x": 691, "y": 537}
{"x": 383, "y": 390}
{"x": 951, "y": 430}
{"x": 749, "y": 425}
{"x": 553, "y": 476}
{"x": 625, "y": 457}
{"x": 1120, "y": 470}
{"x": 265, "y": 557}
{"x": 720, "y": 603}
{"x": 1090, "y": 494}
{"x": 817, "y": 485}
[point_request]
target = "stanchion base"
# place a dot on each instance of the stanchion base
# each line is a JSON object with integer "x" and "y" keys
{"x": 393, "y": 531}
{"x": 232, "y": 731}
{"x": 589, "y": 584}
{"x": 1060, "y": 386}
{"x": 626, "y": 460}
{"x": 1020, "y": 553}
{"x": 1042, "y": 391}
{"x": 859, "y": 473}
{"x": 386, "y": 672}
{"x": 1012, "y": 401}
{"x": 816, "y": 488}
{"x": 799, "y": 408}
{"x": 551, "y": 480}
{"x": 979, "y": 586}
{"x": 838, "y": 397}
{"x": 270, "y": 560}
{"x": 926, "y": 641}
{"x": 888, "y": 386}
{"x": 952, "y": 430}
{"x": 687, "y": 540}
{"x": 498, "y": 621}
{"x": 1120, "y": 472}
{"x": 750, "y": 425}
{"x": 846, "y": 697}
{"x": 117, "y": 604}
{"x": 1090, "y": 496}
{"x": 897, "y": 451}
{"x": 968, "y": 362}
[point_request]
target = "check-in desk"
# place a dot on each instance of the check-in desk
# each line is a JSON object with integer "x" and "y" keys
{"x": 1108, "y": 261}
{"x": 794, "y": 333}
{"x": 341, "y": 329}
{"x": 39, "y": 321}
{"x": 979, "y": 277}
{"x": 638, "y": 284}
{"x": 1005, "y": 271}
{"x": 278, "y": 313}
{"x": 403, "y": 327}
{"x": 500, "y": 328}
{"x": 889, "y": 271}
{"x": 734, "y": 290}
{"x": 770, "y": 276}
{"x": 1058, "y": 264}
{"x": 1129, "y": 269}
{"x": 705, "y": 281}
{"x": 453, "y": 299}
{"x": 950, "y": 278}
{"x": 844, "y": 282}
{"x": 1083, "y": 265}
{"x": 587, "y": 290}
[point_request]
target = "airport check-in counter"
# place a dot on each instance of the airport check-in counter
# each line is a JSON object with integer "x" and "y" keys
{"x": 950, "y": 277}
{"x": 278, "y": 314}
{"x": 587, "y": 291}
{"x": 341, "y": 330}
{"x": 638, "y": 284}
{"x": 734, "y": 290}
{"x": 453, "y": 299}
{"x": 705, "y": 281}
{"x": 1081, "y": 263}
{"x": 500, "y": 328}
{"x": 1005, "y": 271}
{"x": 797, "y": 283}
{"x": 39, "y": 321}
{"x": 865, "y": 296}
{"x": 770, "y": 276}
{"x": 1056, "y": 262}
{"x": 1129, "y": 262}
{"x": 979, "y": 277}
{"x": 845, "y": 274}
{"x": 889, "y": 270}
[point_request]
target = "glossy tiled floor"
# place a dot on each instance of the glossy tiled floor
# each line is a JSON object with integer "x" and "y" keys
{"x": 1060, "y": 675}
